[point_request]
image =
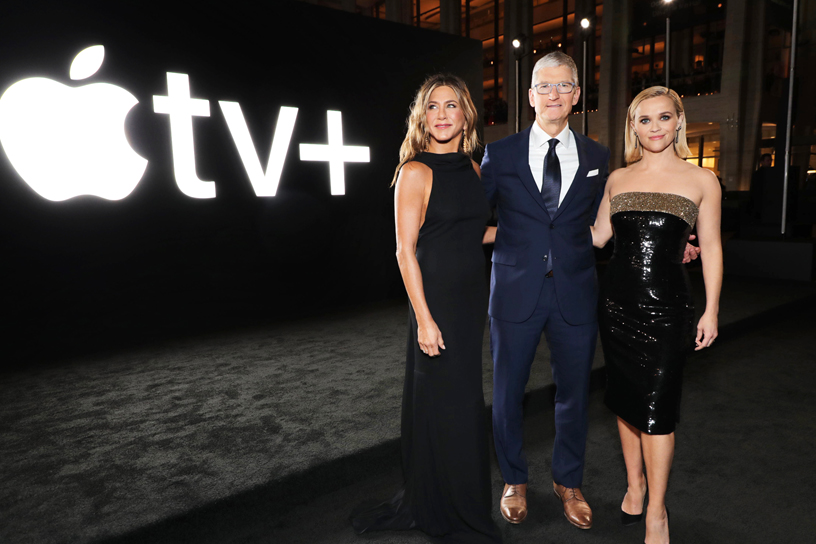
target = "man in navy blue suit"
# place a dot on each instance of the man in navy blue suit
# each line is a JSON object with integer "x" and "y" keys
{"x": 546, "y": 183}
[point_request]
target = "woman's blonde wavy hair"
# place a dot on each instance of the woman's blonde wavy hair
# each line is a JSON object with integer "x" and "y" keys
{"x": 633, "y": 151}
{"x": 417, "y": 135}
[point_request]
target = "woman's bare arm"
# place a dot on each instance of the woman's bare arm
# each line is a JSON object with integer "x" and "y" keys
{"x": 411, "y": 196}
{"x": 602, "y": 230}
{"x": 708, "y": 233}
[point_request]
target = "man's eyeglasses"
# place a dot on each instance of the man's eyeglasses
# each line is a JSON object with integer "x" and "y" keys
{"x": 562, "y": 88}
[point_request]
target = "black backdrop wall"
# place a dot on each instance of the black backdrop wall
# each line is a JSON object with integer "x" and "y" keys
{"x": 86, "y": 271}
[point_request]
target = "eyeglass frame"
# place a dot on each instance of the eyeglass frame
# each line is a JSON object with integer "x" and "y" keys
{"x": 572, "y": 87}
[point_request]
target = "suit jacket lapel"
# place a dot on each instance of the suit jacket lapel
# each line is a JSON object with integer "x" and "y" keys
{"x": 580, "y": 175}
{"x": 523, "y": 167}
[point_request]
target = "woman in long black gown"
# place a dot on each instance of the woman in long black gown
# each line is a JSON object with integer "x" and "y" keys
{"x": 441, "y": 212}
{"x": 646, "y": 309}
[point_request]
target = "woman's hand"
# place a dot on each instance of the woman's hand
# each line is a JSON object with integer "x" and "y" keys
{"x": 489, "y": 235}
{"x": 706, "y": 331}
{"x": 429, "y": 338}
{"x": 691, "y": 252}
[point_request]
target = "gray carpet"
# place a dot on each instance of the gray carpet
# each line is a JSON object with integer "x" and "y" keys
{"x": 743, "y": 470}
{"x": 250, "y": 422}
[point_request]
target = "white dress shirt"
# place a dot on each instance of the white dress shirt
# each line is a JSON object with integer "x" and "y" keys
{"x": 566, "y": 149}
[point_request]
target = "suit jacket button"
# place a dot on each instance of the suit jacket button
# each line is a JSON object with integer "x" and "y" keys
{"x": 552, "y": 225}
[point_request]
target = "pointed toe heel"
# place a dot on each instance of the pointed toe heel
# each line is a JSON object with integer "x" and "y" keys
{"x": 630, "y": 519}
{"x": 633, "y": 519}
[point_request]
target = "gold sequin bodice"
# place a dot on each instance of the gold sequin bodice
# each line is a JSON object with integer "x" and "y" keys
{"x": 674, "y": 204}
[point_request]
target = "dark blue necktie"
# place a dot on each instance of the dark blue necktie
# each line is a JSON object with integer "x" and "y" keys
{"x": 551, "y": 188}
{"x": 551, "y": 182}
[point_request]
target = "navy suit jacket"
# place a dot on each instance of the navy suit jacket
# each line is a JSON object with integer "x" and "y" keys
{"x": 526, "y": 232}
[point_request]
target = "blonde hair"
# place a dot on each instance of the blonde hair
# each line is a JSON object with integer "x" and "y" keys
{"x": 632, "y": 150}
{"x": 417, "y": 135}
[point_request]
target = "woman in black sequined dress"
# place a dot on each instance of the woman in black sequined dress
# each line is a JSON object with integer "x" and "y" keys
{"x": 441, "y": 212}
{"x": 646, "y": 308}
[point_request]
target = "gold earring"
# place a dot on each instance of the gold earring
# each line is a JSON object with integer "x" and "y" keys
{"x": 427, "y": 141}
{"x": 466, "y": 145}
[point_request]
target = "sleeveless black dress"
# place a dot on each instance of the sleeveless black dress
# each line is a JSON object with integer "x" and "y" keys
{"x": 646, "y": 314}
{"x": 445, "y": 460}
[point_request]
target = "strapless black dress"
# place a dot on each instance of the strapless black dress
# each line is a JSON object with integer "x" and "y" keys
{"x": 447, "y": 490}
{"x": 646, "y": 314}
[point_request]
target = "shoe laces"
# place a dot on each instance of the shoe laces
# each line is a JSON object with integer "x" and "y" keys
{"x": 513, "y": 490}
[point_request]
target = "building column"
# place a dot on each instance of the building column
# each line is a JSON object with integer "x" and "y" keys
{"x": 518, "y": 20}
{"x": 804, "y": 132}
{"x": 613, "y": 99}
{"x": 399, "y": 11}
{"x": 734, "y": 89}
{"x": 750, "y": 116}
{"x": 450, "y": 17}
{"x": 581, "y": 36}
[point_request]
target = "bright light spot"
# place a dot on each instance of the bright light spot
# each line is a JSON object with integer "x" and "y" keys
{"x": 87, "y": 62}
{"x": 516, "y": 43}
{"x": 559, "y": 44}
{"x": 181, "y": 109}
{"x": 264, "y": 184}
{"x": 70, "y": 141}
{"x": 585, "y": 23}
{"x": 335, "y": 153}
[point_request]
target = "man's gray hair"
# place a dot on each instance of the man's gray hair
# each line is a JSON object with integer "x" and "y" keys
{"x": 554, "y": 60}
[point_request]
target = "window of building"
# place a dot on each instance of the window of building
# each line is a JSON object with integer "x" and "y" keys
{"x": 426, "y": 14}
{"x": 768, "y": 137}
{"x": 484, "y": 21}
{"x": 776, "y": 61}
{"x": 695, "y": 47}
{"x": 705, "y": 148}
{"x": 554, "y": 26}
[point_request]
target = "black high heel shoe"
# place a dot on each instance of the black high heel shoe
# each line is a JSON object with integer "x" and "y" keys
{"x": 634, "y": 519}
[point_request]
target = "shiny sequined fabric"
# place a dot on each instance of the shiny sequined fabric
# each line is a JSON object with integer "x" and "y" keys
{"x": 646, "y": 309}
{"x": 671, "y": 203}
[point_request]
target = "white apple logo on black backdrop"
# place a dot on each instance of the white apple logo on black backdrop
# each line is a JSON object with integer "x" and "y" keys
{"x": 70, "y": 141}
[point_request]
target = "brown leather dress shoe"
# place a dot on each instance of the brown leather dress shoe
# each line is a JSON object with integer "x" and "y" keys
{"x": 514, "y": 503}
{"x": 576, "y": 509}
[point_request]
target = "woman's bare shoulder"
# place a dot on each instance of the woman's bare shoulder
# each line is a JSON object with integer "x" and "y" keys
{"x": 702, "y": 177}
{"x": 414, "y": 172}
{"x": 617, "y": 177}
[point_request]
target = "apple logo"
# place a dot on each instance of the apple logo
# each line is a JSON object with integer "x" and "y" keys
{"x": 70, "y": 141}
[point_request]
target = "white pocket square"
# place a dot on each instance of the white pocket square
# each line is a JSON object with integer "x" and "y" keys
{"x": 592, "y": 173}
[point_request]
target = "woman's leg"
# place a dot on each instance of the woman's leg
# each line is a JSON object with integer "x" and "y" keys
{"x": 633, "y": 456}
{"x": 658, "y": 452}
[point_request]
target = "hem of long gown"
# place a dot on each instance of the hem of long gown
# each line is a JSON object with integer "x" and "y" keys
{"x": 391, "y": 515}
{"x": 395, "y": 515}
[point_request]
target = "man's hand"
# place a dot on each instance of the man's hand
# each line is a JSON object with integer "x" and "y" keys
{"x": 692, "y": 252}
